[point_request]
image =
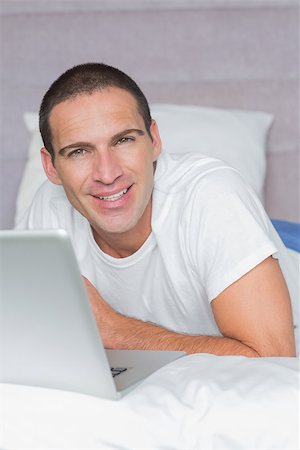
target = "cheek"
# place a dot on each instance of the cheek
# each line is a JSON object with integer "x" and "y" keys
{"x": 148, "y": 180}
{"x": 73, "y": 176}
{"x": 144, "y": 165}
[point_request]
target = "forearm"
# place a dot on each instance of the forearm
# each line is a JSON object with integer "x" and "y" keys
{"x": 247, "y": 331}
{"x": 136, "y": 334}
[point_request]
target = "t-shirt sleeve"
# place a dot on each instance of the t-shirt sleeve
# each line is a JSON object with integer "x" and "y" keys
{"x": 227, "y": 230}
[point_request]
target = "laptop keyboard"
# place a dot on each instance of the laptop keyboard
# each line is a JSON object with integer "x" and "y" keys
{"x": 115, "y": 371}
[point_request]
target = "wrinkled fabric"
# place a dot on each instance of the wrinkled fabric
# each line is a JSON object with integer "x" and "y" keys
{"x": 197, "y": 402}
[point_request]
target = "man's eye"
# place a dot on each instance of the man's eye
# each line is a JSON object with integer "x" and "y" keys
{"x": 125, "y": 140}
{"x": 77, "y": 153}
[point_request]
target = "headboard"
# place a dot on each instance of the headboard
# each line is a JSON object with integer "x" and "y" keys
{"x": 235, "y": 53}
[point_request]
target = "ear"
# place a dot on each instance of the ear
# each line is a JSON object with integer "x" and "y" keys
{"x": 156, "y": 141}
{"x": 49, "y": 167}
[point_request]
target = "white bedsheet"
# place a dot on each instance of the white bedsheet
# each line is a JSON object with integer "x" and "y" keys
{"x": 197, "y": 402}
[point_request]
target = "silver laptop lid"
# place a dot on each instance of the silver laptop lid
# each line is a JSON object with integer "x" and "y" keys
{"x": 49, "y": 336}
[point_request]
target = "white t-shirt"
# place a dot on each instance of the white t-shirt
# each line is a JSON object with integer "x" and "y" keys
{"x": 208, "y": 229}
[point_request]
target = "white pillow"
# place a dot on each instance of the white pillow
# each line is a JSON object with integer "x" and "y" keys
{"x": 33, "y": 175}
{"x": 237, "y": 137}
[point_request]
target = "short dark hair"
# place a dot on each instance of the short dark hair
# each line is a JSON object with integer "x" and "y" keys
{"x": 86, "y": 79}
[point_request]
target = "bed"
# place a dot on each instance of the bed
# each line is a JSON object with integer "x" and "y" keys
{"x": 223, "y": 71}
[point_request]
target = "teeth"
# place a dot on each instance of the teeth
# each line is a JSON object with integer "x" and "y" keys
{"x": 114, "y": 196}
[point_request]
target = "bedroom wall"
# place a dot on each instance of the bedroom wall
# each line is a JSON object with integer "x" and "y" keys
{"x": 216, "y": 53}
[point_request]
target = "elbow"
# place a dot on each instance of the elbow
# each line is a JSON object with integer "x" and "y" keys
{"x": 284, "y": 353}
{"x": 275, "y": 347}
{"x": 286, "y": 350}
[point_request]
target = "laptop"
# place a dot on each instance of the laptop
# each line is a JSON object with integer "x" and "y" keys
{"x": 48, "y": 333}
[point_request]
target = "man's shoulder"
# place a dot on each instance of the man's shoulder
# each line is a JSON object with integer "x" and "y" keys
{"x": 48, "y": 209}
{"x": 50, "y": 190}
{"x": 50, "y": 195}
{"x": 199, "y": 186}
{"x": 179, "y": 172}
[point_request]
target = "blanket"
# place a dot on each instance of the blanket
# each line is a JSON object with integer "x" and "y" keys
{"x": 200, "y": 401}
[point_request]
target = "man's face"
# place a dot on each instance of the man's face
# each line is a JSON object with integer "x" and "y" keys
{"x": 104, "y": 159}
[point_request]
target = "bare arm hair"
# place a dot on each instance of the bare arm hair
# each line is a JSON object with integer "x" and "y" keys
{"x": 253, "y": 314}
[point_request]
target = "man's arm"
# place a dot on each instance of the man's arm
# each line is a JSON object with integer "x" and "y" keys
{"x": 253, "y": 314}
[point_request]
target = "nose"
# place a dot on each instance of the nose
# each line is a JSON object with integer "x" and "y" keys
{"x": 106, "y": 167}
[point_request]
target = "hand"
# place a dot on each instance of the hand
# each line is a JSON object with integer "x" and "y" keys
{"x": 108, "y": 320}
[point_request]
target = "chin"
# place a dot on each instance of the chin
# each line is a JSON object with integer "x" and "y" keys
{"x": 119, "y": 222}
{"x": 114, "y": 227}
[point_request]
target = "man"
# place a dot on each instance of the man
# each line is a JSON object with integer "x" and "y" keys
{"x": 176, "y": 251}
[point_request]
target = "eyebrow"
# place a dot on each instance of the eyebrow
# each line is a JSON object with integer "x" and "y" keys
{"x": 114, "y": 138}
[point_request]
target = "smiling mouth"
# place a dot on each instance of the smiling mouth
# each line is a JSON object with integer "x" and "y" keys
{"x": 111, "y": 198}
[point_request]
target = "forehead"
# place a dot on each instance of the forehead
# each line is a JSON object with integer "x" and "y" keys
{"x": 109, "y": 103}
